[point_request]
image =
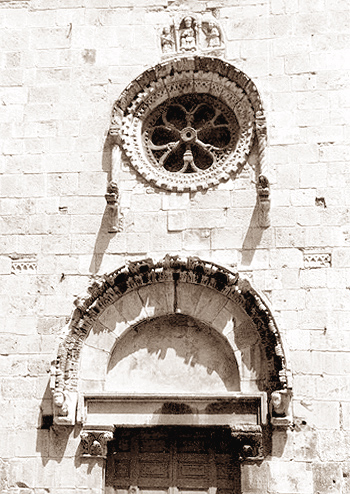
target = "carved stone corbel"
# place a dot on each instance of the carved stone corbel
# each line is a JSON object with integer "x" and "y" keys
{"x": 248, "y": 442}
{"x": 264, "y": 202}
{"x": 94, "y": 442}
{"x": 112, "y": 196}
{"x": 280, "y": 408}
{"x": 64, "y": 402}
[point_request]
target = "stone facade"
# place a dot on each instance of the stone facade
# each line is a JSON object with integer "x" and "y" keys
{"x": 279, "y": 218}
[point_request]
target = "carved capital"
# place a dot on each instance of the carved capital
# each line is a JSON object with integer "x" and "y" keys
{"x": 248, "y": 443}
{"x": 94, "y": 443}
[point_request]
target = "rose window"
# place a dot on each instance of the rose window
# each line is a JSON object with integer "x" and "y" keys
{"x": 190, "y": 133}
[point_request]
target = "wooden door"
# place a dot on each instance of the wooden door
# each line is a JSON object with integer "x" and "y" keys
{"x": 171, "y": 460}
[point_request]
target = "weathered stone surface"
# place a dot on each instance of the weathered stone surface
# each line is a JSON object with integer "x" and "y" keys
{"x": 63, "y": 65}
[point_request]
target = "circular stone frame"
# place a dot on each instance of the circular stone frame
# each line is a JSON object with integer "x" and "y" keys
{"x": 200, "y": 75}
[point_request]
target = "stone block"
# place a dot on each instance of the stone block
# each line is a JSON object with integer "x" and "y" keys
{"x": 312, "y": 175}
{"x": 287, "y": 174}
{"x": 176, "y": 221}
{"x": 171, "y": 242}
{"x": 48, "y": 76}
{"x": 211, "y": 199}
{"x": 209, "y": 305}
{"x": 297, "y": 63}
{"x": 196, "y": 240}
{"x": 100, "y": 359}
{"x": 244, "y": 198}
{"x": 56, "y": 244}
{"x": 341, "y": 257}
{"x": 345, "y": 409}
{"x": 226, "y": 238}
{"x": 298, "y": 339}
{"x": 146, "y": 202}
{"x": 158, "y": 300}
{"x": 90, "y": 223}
{"x": 30, "y": 443}
{"x": 313, "y": 278}
{"x": 206, "y": 219}
{"x": 290, "y": 477}
{"x": 321, "y": 415}
{"x": 327, "y": 478}
{"x": 131, "y": 308}
{"x": 308, "y": 216}
{"x": 333, "y": 446}
{"x": 62, "y": 184}
{"x": 11, "y": 77}
{"x": 290, "y": 237}
{"x": 137, "y": 243}
{"x": 241, "y": 28}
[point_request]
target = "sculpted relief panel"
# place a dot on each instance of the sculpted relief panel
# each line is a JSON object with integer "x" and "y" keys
{"x": 192, "y": 33}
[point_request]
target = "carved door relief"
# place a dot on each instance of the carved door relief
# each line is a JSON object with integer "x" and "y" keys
{"x": 172, "y": 460}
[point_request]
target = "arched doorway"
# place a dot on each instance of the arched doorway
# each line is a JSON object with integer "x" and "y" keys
{"x": 179, "y": 342}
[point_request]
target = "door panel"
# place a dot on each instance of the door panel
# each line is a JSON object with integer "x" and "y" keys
{"x": 171, "y": 460}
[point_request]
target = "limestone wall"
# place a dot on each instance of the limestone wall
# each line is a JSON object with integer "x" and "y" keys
{"x": 63, "y": 64}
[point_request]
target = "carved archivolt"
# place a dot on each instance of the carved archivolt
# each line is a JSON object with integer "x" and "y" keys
{"x": 171, "y": 271}
{"x": 189, "y": 123}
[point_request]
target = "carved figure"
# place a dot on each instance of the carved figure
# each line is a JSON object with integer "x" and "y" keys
{"x": 212, "y": 35}
{"x": 279, "y": 403}
{"x": 60, "y": 402}
{"x": 166, "y": 40}
{"x": 188, "y": 35}
{"x": 263, "y": 190}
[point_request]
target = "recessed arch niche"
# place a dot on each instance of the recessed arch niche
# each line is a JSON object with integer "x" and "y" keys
{"x": 171, "y": 354}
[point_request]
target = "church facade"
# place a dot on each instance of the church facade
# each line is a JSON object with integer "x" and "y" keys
{"x": 175, "y": 247}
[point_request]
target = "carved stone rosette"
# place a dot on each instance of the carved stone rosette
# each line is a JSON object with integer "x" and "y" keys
{"x": 94, "y": 442}
{"x": 170, "y": 83}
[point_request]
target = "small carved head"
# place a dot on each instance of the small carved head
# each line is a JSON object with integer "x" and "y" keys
{"x": 188, "y": 21}
{"x": 278, "y": 403}
{"x": 60, "y": 402}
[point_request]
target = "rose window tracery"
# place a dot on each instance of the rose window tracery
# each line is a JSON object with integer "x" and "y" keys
{"x": 190, "y": 133}
{"x": 187, "y": 124}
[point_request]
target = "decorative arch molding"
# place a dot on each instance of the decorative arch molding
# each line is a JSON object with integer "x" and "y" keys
{"x": 172, "y": 81}
{"x": 170, "y": 283}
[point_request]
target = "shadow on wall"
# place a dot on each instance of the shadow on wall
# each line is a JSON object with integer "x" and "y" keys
{"x": 103, "y": 236}
{"x": 252, "y": 238}
{"x": 51, "y": 440}
{"x": 172, "y": 353}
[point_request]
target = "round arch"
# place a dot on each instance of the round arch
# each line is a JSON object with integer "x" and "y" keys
{"x": 171, "y": 79}
{"x": 146, "y": 290}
